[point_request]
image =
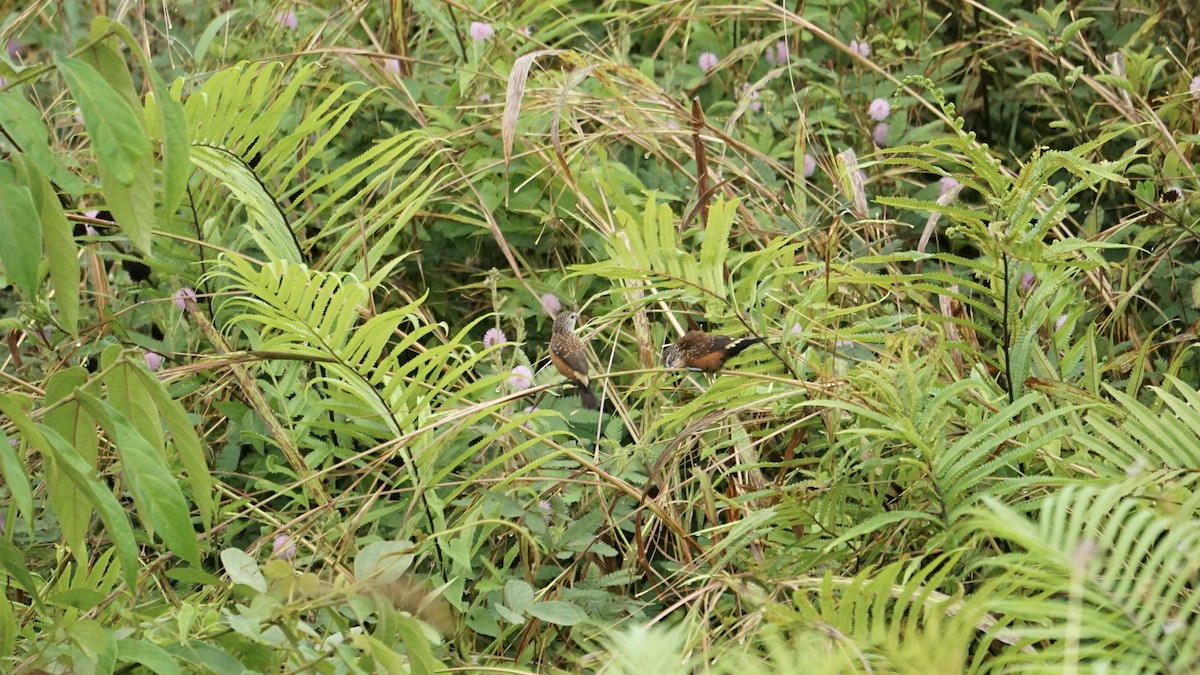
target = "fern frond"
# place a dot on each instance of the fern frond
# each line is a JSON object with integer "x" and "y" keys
{"x": 998, "y": 445}
{"x": 270, "y": 231}
{"x": 896, "y": 618}
{"x": 1099, "y": 579}
{"x": 648, "y": 249}
{"x": 368, "y": 374}
{"x": 1148, "y": 439}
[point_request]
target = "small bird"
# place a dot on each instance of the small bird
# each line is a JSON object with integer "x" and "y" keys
{"x": 698, "y": 350}
{"x": 568, "y": 356}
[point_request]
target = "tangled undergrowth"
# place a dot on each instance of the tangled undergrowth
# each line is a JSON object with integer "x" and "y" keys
{"x": 281, "y": 278}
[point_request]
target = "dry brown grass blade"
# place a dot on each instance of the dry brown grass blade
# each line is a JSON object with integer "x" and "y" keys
{"x": 852, "y": 183}
{"x": 703, "y": 194}
{"x": 932, "y": 221}
{"x": 513, "y": 95}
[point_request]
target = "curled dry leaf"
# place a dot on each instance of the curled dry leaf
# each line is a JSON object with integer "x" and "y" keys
{"x": 514, "y": 94}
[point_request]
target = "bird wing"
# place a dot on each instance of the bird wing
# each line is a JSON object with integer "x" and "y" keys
{"x": 573, "y": 359}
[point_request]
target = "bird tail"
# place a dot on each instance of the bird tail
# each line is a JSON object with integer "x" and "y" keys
{"x": 734, "y": 348}
{"x": 587, "y": 397}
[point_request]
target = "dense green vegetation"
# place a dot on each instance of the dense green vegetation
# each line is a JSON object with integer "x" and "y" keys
{"x": 280, "y": 279}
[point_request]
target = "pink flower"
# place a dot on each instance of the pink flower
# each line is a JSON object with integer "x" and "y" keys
{"x": 485, "y": 98}
{"x": 3, "y": 82}
{"x": 391, "y": 66}
{"x": 521, "y": 377}
{"x": 92, "y": 213}
{"x": 810, "y": 165}
{"x": 755, "y": 104}
{"x": 283, "y": 547}
{"x": 777, "y": 54}
{"x": 14, "y": 49}
{"x": 946, "y": 185}
{"x": 880, "y": 134}
{"x": 481, "y": 32}
{"x": 90, "y": 231}
{"x": 796, "y": 330}
{"x": 1062, "y": 319}
{"x": 861, "y": 48}
{"x": 1194, "y": 87}
{"x": 707, "y": 61}
{"x": 879, "y": 109}
{"x": 287, "y": 19}
{"x": 183, "y": 295}
{"x": 551, "y": 303}
{"x": 493, "y": 337}
{"x": 153, "y": 361}
{"x": 1028, "y": 279}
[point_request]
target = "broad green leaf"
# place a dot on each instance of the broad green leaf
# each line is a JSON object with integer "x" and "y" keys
{"x": 105, "y": 58}
{"x": 515, "y": 618}
{"x": 189, "y": 575}
{"x": 186, "y": 443}
{"x": 148, "y": 654}
{"x": 518, "y": 595}
{"x": 113, "y": 126}
{"x": 55, "y": 449}
{"x": 111, "y": 512}
{"x": 176, "y": 144}
{"x": 385, "y": 658}
{"x": 17, "y": 481}
{"x": 60, "y": 247}
{"x": 132, "y": 206}
{"x": 14, "y": 564}
{"x": 243, "y": 569}
{"x": 124, "y": 163}
{"x": 71, "y": 505}
{"x": 74, "y": 528}
{"x": 1043, "y": 79}
{"x": 153, "y": 487}
{"x": 558, "y": 612}
{"x": 1074, "y": 27}
{"x": 210, "y": 33}
{"x": 97, "y": 642}
{"x": 214, "y": 658}
{"x": 420, "y": 657}
{"x": 165, "y": 118}
{"x": 383, "y": 561}
{"x": 21, "y": 232}
{"x": 127, "y": 395}
{"x": 8, "y": 627}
